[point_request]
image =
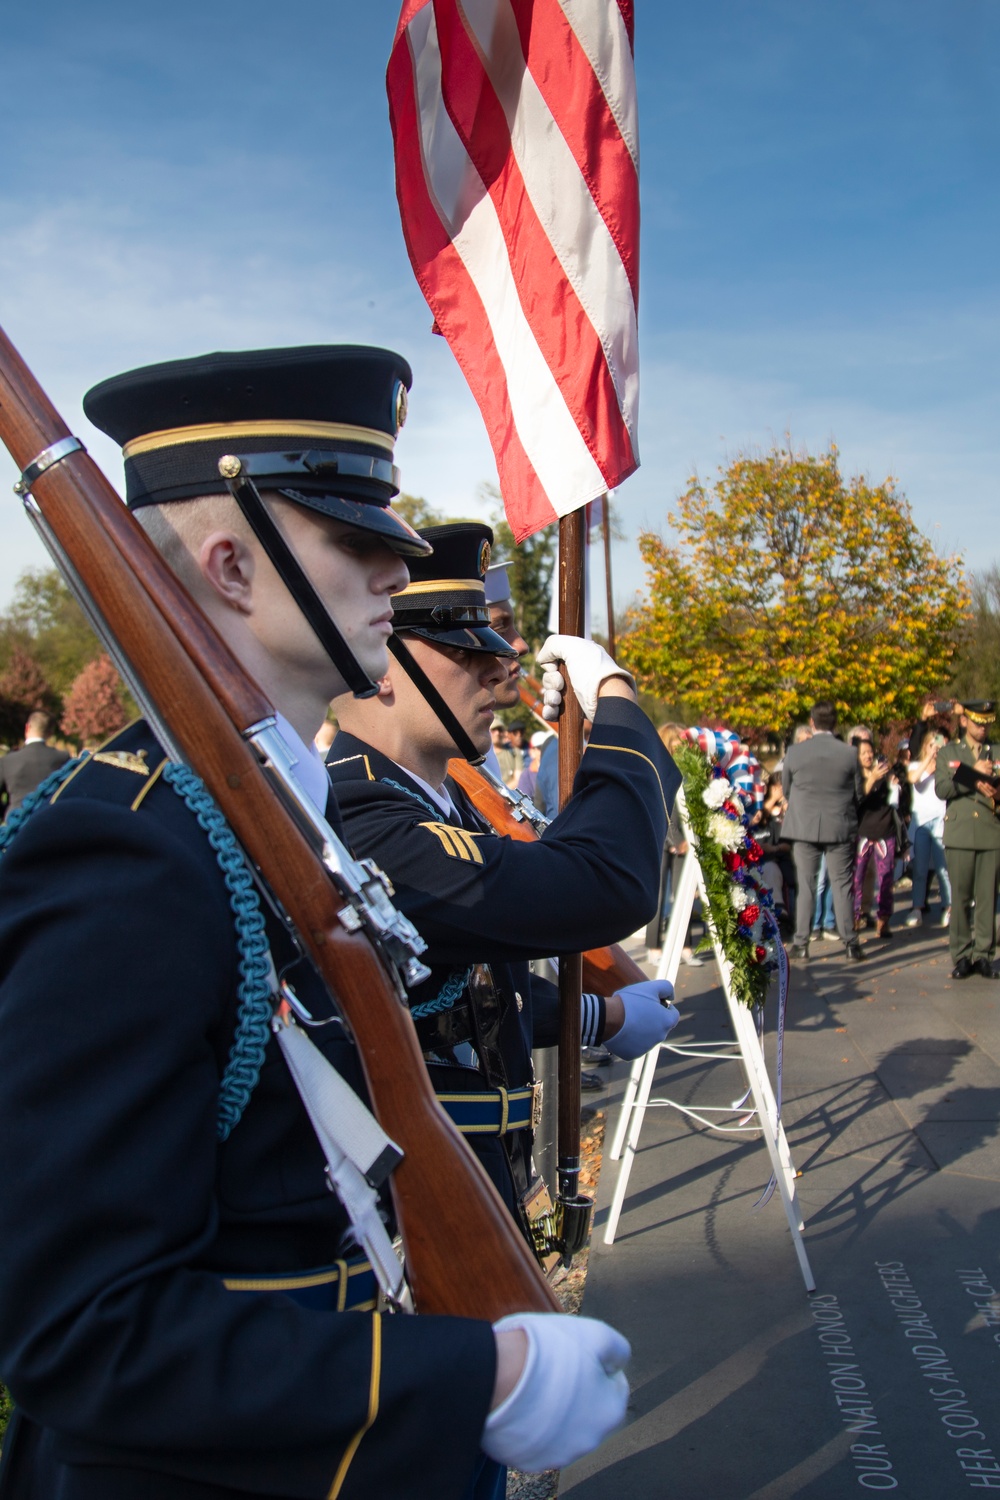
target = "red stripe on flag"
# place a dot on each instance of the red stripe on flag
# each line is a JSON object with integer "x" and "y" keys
{"x": 406, "y": 14}
{"x": 563, "y": 329}
{"x": 562, "y": 71}
{"x": 457, "y": 306}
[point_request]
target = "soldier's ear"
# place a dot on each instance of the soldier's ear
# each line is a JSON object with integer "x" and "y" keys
{"x": 385, "y": 686}
{"x": 226, "y": 564}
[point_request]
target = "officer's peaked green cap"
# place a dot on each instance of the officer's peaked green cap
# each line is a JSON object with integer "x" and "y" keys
{"x": 982, "y": 711}
{"x": 317, "y": 424}
{"x": 445, "y": 599}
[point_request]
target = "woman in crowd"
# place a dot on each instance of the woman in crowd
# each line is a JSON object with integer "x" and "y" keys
{"x": 876, "y": 837}
{"x": 927, "y": 825}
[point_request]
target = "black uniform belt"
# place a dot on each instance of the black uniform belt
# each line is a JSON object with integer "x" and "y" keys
{"x": 346, "y": 1286}
{"x": 494, "y": 1111}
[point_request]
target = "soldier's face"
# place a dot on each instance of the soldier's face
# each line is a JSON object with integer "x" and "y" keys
{"x": 467, "y": 681}
{"x": 974, "y": 732}
{"x": 355, "y": 575}
{"x": 502, "y": 620}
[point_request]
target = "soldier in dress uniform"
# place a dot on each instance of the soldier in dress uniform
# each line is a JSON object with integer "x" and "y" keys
{"x": 183, "y": 1312}
{"x": 485, "y": 904}
{"x": 971, "y": 840}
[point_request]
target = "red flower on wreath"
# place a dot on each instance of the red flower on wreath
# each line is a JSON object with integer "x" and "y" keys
{"x": 760, "y": 953}
{"x": 754, "y": 852}
{"x": 749, "y": 914}
{"x": 732, "y": 809}
{"x": 732, "y": 860}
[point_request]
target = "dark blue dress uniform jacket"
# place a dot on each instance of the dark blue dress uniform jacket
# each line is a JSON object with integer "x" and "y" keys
{"x": 138, "y": 1375}
{"x": 475, "y": 897}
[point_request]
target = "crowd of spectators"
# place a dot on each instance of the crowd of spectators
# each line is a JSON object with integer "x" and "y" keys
{"x": 862, "y": 827}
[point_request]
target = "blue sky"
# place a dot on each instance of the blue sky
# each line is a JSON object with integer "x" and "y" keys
{"x": 820, "y": 230}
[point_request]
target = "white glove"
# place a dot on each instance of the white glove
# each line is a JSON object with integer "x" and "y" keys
{"x": 572, "y": 1393}
{"x": 649, "y": 1018}
{"x": 588, "y": 665}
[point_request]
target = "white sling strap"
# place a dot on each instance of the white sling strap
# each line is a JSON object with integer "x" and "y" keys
{"x": 359, "y": 1154}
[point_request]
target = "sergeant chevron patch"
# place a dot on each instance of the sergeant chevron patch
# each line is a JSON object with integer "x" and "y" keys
{"x": 458, "y": 843}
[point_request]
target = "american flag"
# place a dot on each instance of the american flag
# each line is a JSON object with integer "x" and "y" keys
{"x": 517, "y": 157}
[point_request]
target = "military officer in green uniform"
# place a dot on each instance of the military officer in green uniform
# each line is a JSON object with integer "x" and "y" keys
{"x": 971, "y": 840}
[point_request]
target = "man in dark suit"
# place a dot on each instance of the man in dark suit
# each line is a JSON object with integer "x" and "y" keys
{"x": 822, "y": 782}
{"x": 24, "y": 769}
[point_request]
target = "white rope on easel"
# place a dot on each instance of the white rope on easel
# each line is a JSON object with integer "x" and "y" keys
{"x": 745, "y": 1048}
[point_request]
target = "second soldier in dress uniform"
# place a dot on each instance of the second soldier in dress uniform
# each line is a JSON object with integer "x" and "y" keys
{"x": 485, "y": 904}
{"x": 971, "y": 840}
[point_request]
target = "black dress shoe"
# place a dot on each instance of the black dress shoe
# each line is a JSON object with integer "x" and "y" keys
{"x": 962, "y": 969}
{"x": 855, "y": 951}
{"x": 799, "y": 950}
{"x": 985, "y": 968}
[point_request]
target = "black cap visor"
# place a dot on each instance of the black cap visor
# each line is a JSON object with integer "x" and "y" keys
{"x": 460, "y": 637}
{"x": 381, "y": 520}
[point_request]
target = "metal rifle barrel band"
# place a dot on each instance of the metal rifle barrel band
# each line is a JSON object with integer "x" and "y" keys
{"x": 54, "y": 454}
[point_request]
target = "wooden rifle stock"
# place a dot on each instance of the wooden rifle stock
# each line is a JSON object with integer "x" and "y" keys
{"x": 605, "y": 970}
{"x": 464, "y": 1254}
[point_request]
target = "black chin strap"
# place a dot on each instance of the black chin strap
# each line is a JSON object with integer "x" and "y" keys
{"x": 427, "y": 690}
{"x": 289, "y": 569}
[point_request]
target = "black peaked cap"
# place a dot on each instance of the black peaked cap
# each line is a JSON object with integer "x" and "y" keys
{"x": 445, "y": 599}
{"x": 317, "y": 424}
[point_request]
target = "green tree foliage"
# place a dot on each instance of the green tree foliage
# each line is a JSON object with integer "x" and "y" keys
{"x": 46, "y": 620}
{"x": 6, "y": 1407}
{"x": 977, "y": 666}
{"x": 789, "y": 585}
{"x": 416, "y": 511}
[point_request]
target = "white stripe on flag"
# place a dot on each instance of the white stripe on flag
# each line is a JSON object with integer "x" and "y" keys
{"x": 548, "y": 432}
{"x": 562, "y": 201}
{"x": 600, "y": 30}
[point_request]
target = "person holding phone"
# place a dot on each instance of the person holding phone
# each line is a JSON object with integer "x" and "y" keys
{"x": 876, "y": 837}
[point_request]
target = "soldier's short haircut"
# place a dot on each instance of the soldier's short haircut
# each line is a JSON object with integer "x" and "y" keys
{"x": 178, "y": 530}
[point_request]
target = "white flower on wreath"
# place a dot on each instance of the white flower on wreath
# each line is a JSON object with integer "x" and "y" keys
{"x": 726, "y": 831}
{"x": 739, "y": 898}
{"x": 717, "y": 792}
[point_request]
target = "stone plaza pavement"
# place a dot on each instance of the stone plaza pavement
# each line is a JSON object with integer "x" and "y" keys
{"x": 886, "y": 1379}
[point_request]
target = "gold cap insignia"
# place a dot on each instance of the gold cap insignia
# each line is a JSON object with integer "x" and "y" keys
{"x": 401, "y": 405}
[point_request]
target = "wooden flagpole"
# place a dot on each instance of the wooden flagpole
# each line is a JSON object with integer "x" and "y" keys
{"x": 574, "y": 1211}
{"x": 606, "y": 530}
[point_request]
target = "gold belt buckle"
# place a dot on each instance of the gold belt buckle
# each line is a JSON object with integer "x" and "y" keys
{"x": 536, "y": 1105}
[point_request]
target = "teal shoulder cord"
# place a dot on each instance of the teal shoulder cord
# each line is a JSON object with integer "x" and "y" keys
{"x": 253, "y": 1023}
{"x": 459, "y": 978}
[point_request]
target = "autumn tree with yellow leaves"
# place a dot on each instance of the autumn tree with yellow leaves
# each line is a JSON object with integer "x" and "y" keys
{"x": 789, "y": 585}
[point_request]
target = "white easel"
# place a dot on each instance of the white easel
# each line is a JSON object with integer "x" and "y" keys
{"x": 745, "y": 1048}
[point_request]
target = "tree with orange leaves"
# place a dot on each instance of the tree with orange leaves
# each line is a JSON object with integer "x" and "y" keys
{"x": 788, "y": 585}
